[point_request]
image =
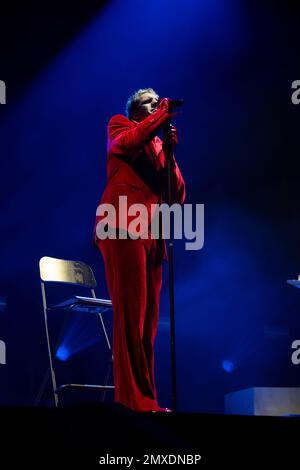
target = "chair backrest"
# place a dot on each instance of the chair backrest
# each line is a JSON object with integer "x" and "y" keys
{"x": 70, "y": 272}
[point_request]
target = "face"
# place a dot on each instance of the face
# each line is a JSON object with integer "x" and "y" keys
{"x": 147, "y": 105}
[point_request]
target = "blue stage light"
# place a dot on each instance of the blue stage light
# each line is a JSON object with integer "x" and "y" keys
{"x": 63, "y": 353}
{"x": 228, "y": 366}
{"x": 3, "y": 303}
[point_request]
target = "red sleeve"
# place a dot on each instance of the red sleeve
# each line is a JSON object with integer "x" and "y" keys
{"x": 125, "y": 137}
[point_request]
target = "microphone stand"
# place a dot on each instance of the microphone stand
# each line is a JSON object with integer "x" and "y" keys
{"x": 169, "y": 157}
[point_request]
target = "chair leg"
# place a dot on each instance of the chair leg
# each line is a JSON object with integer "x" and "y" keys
{"x": 107, "y": 375}
{"x": 53, "y": 378}
{"x": 104, "y": 331}
{"x": 106, "y": 380}
{"x": 46, "y": 375}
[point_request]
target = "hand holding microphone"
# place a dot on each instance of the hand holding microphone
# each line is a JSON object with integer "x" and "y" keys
{"x": 170, "y": 138}
{"x": 170, "y": 135}
{"x": 169, "y": 104}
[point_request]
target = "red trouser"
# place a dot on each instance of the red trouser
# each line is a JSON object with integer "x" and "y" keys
{"x": 134, "y": 277}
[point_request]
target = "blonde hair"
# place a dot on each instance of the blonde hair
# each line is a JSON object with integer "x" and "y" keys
{"x": 133, "y": 100}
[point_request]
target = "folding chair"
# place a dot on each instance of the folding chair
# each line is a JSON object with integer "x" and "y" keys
{"x": 53, "y": 270}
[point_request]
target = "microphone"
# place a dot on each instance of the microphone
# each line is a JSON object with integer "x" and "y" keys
{"x": 173, "y": 104}
{"x": 176, "y": 103}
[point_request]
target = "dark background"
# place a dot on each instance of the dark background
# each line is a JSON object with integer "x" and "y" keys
{"x": 68, "y": 68}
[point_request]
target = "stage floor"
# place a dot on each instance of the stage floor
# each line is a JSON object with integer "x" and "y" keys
{"x": 109, "y": 436}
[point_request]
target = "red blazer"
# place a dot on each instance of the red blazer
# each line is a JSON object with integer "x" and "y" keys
{"x": 136, "y": 165}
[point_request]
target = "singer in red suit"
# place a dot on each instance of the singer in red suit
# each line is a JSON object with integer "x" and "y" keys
{"x": 136, "y": 168}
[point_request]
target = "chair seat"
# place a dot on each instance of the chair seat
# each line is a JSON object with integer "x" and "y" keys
{"x": 84, "y": 304}
{"x": 85, "y": 386}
